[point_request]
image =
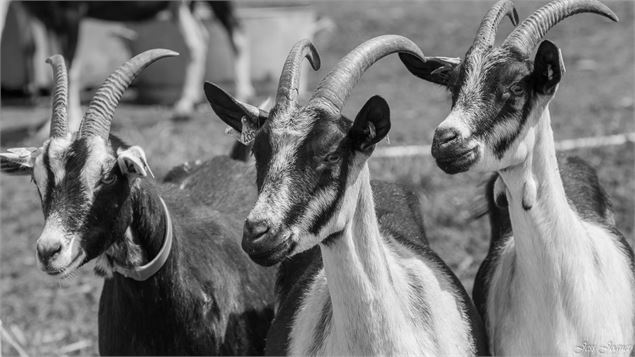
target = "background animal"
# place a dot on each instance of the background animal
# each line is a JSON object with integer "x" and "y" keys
{"x": 177, "y": 282}
{"x": 61, "y": 316}
{"x": 62, "y": 20}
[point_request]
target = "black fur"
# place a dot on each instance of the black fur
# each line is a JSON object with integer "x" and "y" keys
{"x": 63, "y": 18}
{"x": 209, "y": 298}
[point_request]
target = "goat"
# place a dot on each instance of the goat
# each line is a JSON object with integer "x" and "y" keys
{"x": 374, "y": 286}
{"x": 176, "y": 281}
{"x": 62, "y": 20}
{"x": 561, "y": 278}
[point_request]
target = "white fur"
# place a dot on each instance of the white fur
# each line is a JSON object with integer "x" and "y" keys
{"x": 455, "y": 120}
{"x": 571, "y": 288}
{"x": 367, "y": 280}
{"x": 70, "y": 256}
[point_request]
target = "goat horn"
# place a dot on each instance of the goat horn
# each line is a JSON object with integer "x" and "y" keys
{"x": 486, "y": 33}
{"x": 336, "y": 87}
{"x": 98, "y": 116}
{"x": 59, "y": 126}
{"x": 290, "y": 78}
{"x": 526, "y": 36}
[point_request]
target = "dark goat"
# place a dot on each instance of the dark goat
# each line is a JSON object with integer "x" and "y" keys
{"x": 177, "y": 281}
{"x": 562, "y": 280}
{"x": 62, "y": 19}
{"x": 357, "y": 275}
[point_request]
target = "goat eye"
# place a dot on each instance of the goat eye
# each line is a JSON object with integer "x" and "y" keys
{"x": 517, "y": 90}
{"x": 332, "y": 158}
{"x": 108, "y": 178}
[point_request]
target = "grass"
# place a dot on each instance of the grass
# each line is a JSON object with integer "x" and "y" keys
{"x": 47, "y": 316}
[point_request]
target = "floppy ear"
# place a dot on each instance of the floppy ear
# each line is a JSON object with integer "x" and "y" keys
{"x": 439, "y": 70}
{"x": 372, "y": 124}
{"x": 132, "y": 162}
{"x": 548, "y": 68}
{"x": 231, "y": 110}
{"x": 18, "y": 161}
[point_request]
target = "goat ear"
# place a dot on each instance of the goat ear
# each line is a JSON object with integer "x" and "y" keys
{"x": 439, "y": 70}
{"x": 132, "y": 162}
{"x": 231, "y": 110}
{"x": 548, "y": 68}
{"x": 372, "y": 124}
{"x": 18, "y": 161}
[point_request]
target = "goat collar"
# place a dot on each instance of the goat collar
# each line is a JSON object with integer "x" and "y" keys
{"x": 145, "y": 272}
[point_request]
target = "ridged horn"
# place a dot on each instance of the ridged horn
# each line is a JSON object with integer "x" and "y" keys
{"x": 486, "y": 33}
{"x": 98, "y": 116}
{"x": 526, "y": 36}
{"x": 336, "y": 87}
{"x": 290, "y": 77}
{"x": 59, "y": 115}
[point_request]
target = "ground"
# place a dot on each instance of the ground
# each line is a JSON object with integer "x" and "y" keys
{"x": 47, "y": 316}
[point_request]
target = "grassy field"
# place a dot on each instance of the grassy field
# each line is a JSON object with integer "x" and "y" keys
{"x": 47, "y": 316}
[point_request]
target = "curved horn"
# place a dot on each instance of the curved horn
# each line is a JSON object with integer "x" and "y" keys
{"x": 290, "y": 76}
{"x": 100, "y": 111}
{"x": 486, "y": 33}
{"x": 526, "y": 36}
{"x": 59, "y": 125}
{"x": 336, "y": 87}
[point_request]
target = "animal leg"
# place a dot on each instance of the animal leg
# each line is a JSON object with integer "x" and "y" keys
{"x": 224, "y": 12}
{"x": 242, "y": 72}
{"x": 4, "y": 9}
{"x": 196, "y": 41}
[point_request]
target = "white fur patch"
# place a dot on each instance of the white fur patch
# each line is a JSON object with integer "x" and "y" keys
{"x": 562, "y": 284}
{"x": 368, "y": 279}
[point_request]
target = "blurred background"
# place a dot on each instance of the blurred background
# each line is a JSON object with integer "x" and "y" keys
{"x": 44, "y": 316}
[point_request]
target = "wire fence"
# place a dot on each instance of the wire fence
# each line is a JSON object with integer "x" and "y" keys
{"x": 564, "y": 145}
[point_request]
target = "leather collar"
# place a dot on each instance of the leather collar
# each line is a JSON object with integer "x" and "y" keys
{"x": 146, "y": 271}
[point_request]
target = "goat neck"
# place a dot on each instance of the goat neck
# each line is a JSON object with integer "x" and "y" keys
{"x": 537, "y": 200}
{"x": 365, "y": 294}
{"x": 144, "y": 237}
{"x": 567, "y": 273}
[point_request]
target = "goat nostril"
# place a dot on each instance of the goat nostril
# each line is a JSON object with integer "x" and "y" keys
{"x": 47, "y": 251}
{"x": 256, "y": 229}
{"x": 446, "y": 136}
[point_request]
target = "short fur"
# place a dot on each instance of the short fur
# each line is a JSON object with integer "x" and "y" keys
{"x": 208, "y": 298}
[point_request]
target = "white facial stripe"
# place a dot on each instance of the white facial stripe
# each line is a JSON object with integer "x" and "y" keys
{"x": 56, "y": 150}
{"x": 272, "y": 204}
{"x": 92, "y": 170}
{"x": 39, "y": 174}
{"x": 274, "y": 200}
{"x": 458, "y": 120}
{"x": 472, "y": 75}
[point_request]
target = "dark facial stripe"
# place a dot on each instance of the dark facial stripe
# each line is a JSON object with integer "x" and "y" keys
{"x": 323, "y": 217}
{"x": 503, "y": 144}
{"x": 262, "y": 150}
{"x": 50, "y": 180}
{"x": 322, "y": 328}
